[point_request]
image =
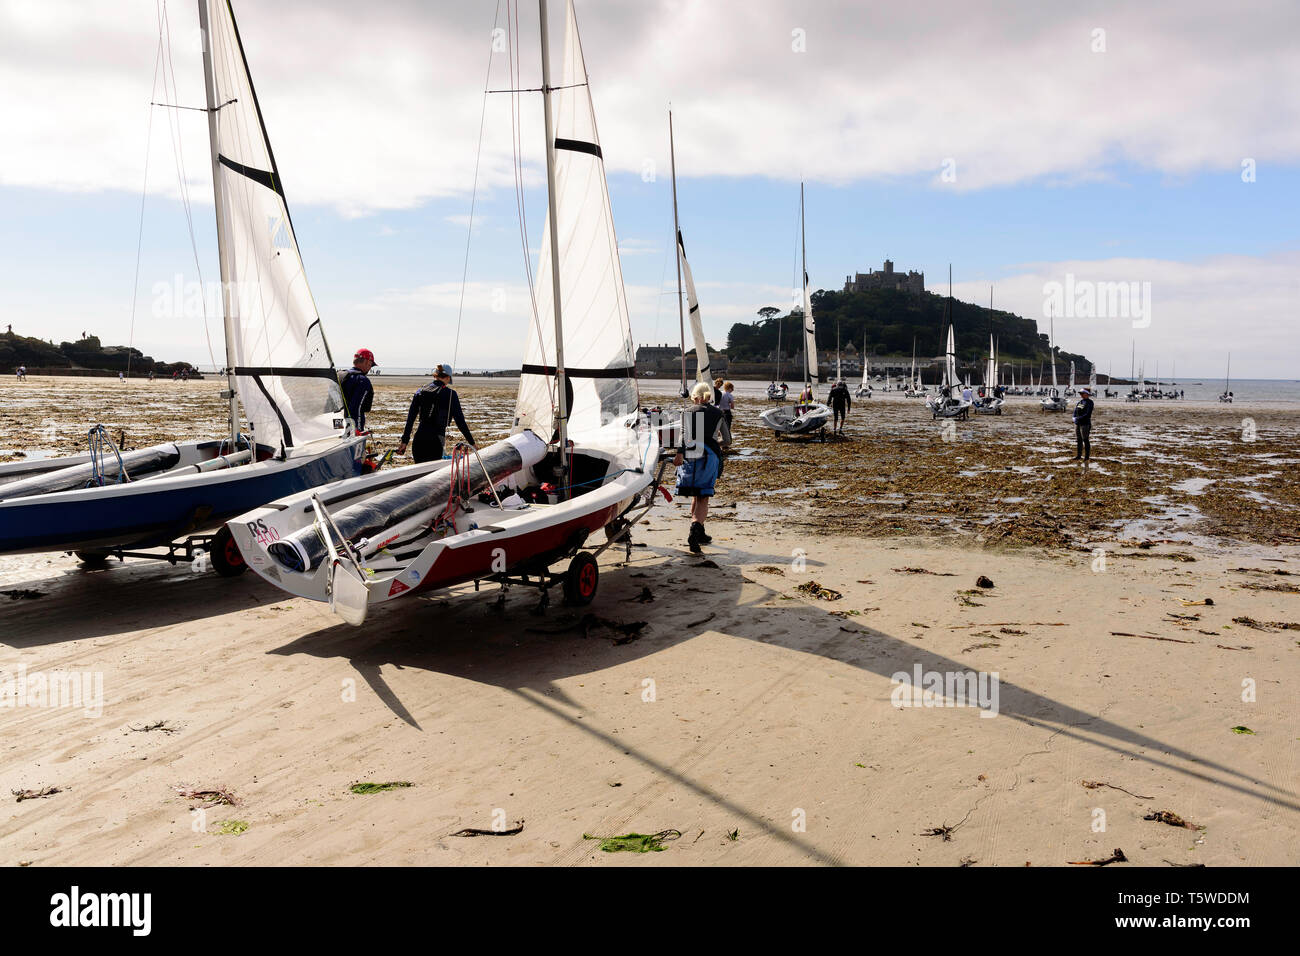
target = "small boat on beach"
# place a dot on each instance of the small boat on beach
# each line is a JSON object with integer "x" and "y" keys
{"x": 810, "y": 416}
{"x": 172, "y": 498}
{"x": 582, "y": 460}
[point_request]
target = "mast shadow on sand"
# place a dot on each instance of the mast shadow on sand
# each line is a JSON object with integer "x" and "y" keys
{"x": 527, "y": 655}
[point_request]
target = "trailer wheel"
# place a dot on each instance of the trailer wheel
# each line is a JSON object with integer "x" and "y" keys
{"x": 581, "y": 580}
{"x": 225, "y": 556}
{"x": 92, "y": 559}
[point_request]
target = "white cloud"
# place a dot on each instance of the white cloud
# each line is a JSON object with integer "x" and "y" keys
{"x": 1200, "y": 310}
{"x": 381, "y": 109}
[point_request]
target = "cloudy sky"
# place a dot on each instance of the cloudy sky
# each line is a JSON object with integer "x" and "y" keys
{"x": 1022, "y": 142}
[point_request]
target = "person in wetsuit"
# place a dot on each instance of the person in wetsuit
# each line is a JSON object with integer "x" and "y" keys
{"x": 841, "y": 402}
{"x": 434, "y": 407}
{"x": 1083, "y": 425}
{"x": 358, "y": 393}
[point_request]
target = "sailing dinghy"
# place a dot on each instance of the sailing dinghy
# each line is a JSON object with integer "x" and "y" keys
{"x": 809, "y": 417}
{"x": 172, "y": 496}
{"x": 949, "y": 403}
{"x": 582, "y": 457}
{"x": 864, "y": 390}
{"x": 1055, "y": 401}
{"x": 990, "y": 404}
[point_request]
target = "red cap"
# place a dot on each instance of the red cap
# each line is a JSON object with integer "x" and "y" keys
{"x": 366, "y": 354}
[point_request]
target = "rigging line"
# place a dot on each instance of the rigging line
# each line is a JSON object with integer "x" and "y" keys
{"x": 469, "y": 232}
{"x": 178, "y": 155}
{"x": 515, "y": 67}
{"x": 144, "y": 191}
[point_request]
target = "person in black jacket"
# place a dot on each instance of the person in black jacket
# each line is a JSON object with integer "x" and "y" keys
{"x": 841, "y": 402}
{"x": 1083, "y": 425}
{"x": 358, "y": 393}
{"x": 434, "y": 407}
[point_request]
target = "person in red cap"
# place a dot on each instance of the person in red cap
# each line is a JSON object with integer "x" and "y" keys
{"x": 358, "y": 393}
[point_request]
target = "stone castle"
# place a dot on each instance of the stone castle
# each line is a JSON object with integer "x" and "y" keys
{"x": 911, "y": 281}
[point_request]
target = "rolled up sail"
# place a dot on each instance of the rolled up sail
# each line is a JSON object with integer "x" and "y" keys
{"x": 702, "y": 370}
{"x": 419, "y": 499}
{"x": 142, "y": 461}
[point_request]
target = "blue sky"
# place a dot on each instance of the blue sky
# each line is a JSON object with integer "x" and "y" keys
{"x": 1067, "y": 177}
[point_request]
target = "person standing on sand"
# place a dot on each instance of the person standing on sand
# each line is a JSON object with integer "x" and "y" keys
{"x": 1083, "y": 425}
{"x": 435, "y": 405}
{"x": 699, "y": 461}
{"x": 841, "y": 402}
{"x": 728, "y": 402}
{"x": 358, "y": 393}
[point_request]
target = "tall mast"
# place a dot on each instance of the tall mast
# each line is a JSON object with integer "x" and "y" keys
{"x": 779, "y": 323}
{"x": 210, "y": 90}
{"x": 681, "y": 315}
{"x": 839, "y": 369}
{"x": 561, "y": 396}
{"x": 809, "y": 361}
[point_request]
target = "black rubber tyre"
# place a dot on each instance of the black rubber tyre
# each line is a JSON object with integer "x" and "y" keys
{"x": 92, "y": 559}
{"x": 225, "y": 556}
{"x": 581, "y": 580}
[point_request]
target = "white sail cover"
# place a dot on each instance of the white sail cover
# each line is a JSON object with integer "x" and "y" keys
{"x": 702, "y": 372}
{"x": 810, "y": 335}
{"x": 991, "y": 369}
{"x": 1092, "y": 377}
{"x": 1072, "y": 374}
{"x": 285, "y": 376}
{"x": 866, "y": 365}
{"x": 599, "y": 358}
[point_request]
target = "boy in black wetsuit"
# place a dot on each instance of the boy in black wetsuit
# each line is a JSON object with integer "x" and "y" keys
{"x": 1083, "y": 425}
{"x": 435, "y": 406}
{"x": 841, "y": 402}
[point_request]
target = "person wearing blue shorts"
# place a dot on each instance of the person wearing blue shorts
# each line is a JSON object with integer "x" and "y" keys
{"x": 699, "y": 460}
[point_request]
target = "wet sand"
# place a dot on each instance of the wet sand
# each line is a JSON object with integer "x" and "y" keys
{"x": 744, "y": 703}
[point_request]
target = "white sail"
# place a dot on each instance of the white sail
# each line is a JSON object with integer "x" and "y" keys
{"x": 1092, "y": 378}
{"x": 702, "y": 372}
{"x": 283, "y": 372}
{"x": 1071, "y": 374}
{"x": 809, "y": 324}
{"x": 991, "y": 369}
{"x": 950, "y": 382}
{"x": 866, "y": 365}
{"x": 599, "y": 357}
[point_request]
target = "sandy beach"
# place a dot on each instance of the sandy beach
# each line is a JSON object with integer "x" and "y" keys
{"x": 1143, "y": 625}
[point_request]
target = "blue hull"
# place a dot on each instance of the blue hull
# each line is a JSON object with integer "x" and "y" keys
{"x": 150, "y": 514}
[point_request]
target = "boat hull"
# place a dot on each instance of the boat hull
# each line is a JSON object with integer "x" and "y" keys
{"x": 485, "y": 542}
{"x": 147, "y": 514}
{"x": 786, "y": 421}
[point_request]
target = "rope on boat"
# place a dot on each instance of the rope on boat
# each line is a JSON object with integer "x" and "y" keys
{"x": 102, "y": 442}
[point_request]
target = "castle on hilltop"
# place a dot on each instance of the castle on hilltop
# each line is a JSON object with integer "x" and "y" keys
{"x": 886, "y": 278}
